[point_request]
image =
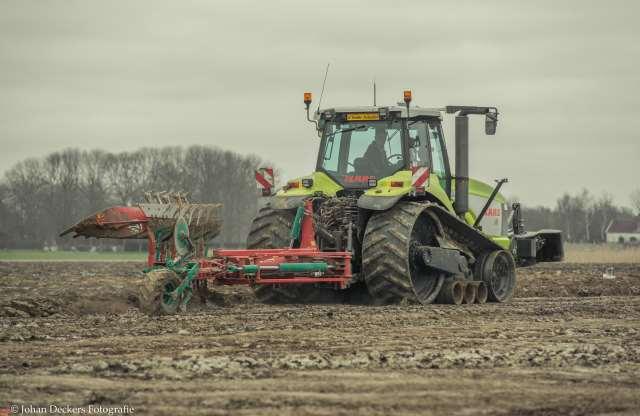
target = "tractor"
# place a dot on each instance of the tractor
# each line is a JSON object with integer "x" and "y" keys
{"x": 383, "y": 190}
{"x": 382, "y": 219}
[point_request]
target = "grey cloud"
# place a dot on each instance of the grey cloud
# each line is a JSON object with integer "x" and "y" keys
{"x": 120, "y": 75}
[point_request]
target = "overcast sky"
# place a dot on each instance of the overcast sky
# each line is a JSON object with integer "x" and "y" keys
{"x": 119, "y": 75}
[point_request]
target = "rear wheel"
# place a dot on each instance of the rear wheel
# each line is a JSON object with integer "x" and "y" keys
{"x": 392, "y": 264}
{"x": 271, "y": 229}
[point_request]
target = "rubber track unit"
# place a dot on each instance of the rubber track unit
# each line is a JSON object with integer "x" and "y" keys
{"x": 385, "y": 251}
{"x": 461, "y": 232}
{"x": 386, "y": 254}
{"x": 271, "y": 229}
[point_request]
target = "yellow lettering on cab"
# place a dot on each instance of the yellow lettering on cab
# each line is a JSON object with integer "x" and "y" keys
{"x": 363, "y": 116}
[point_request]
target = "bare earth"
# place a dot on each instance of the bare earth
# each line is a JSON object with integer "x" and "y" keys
{"x": 568, "y": 344}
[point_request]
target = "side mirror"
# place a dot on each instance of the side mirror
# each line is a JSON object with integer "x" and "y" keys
{"x": 491, "y": 122}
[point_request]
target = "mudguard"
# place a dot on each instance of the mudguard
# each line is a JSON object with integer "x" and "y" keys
{"x": 377, "y": 203}
{"x": 287, "y": 202}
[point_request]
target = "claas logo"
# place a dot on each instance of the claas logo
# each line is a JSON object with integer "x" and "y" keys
{"x": 356, "y": 179}
{"x": 493, "y": 212}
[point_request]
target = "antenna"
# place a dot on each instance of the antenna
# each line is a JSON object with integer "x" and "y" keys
{"x": 326, "y": 72}
{"x": 374, "y": 92}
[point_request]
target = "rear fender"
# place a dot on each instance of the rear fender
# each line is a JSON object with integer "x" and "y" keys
{"x": 321, "y": 184}
{"x": 384, "y": 196}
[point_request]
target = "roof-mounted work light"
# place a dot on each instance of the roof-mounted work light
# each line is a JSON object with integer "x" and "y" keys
{"x": 407, "y": 100}
{"x": 407, "y": 96}
{"x": 307, "y": 100}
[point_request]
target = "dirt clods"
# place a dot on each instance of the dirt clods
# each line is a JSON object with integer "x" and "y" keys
{"x": 568, "y": 343}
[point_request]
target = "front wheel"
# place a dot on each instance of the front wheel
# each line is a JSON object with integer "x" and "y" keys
{"x": 271, "y": 229}
{"x": 499, "y": 274}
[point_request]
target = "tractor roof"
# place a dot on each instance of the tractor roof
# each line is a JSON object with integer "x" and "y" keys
{"x": 413, "y": 111}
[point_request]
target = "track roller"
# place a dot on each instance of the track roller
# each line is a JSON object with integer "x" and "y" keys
{"x": 452, "y": 292}
{"x": 481, "y": 292}
{"x": 469, "y": 293}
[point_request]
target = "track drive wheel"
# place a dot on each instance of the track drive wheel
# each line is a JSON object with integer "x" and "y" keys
{"x": 155, "y": 290}
{"x": 499, "y": 274}
{"x": 270, "y": 229}
{"x": 392, "y": 265}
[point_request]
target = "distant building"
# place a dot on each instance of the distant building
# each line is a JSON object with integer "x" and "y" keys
{"x": 624, "y": 232}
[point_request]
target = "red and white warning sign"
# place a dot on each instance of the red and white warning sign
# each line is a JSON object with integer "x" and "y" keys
{"x": 420, "y": 176}
{"x": 264, "y": 179}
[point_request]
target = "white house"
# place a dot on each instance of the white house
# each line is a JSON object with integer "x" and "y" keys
{"x": 623, "y": 231}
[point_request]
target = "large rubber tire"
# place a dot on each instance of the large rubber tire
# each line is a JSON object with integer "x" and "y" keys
{"x": 499, "y": 274}
{"x": 392, "y": 267}
{"x": 153, "y": 293}
{"x": 271, "y": 229}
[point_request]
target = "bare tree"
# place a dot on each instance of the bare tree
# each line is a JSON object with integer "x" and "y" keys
{"x": 62, "y": 175}
{"x": 27, "y": 192}
{"x": 93, "y": 184}
{"x": 126, "y": 176}
{"x": 39, "y": 198}
{"x": 635, "y": 200}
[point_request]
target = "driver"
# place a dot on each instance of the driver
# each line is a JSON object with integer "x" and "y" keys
{"x": 375, "y": 156}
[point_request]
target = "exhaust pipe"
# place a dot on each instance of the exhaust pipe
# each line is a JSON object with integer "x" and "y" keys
{"x": 461, "y": 200}
{"x": 461, "y": 203}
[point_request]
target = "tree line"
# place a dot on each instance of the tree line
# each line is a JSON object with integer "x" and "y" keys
{"x": 583, "y": 217}
{"x": 41, "y": 197}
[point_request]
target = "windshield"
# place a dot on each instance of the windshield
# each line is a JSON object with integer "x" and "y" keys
{"x": 355, "y": 152}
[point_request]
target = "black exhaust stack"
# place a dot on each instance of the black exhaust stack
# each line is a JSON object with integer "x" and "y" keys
{"x": 461, "y": 202}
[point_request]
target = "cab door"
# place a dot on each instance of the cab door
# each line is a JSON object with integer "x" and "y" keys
{"x": 439, "y": 157}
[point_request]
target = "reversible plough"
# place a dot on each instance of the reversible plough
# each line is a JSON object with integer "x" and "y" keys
{"x": 178, "y": 262}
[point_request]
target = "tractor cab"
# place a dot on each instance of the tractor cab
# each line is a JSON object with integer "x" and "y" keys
{"x": 361, "y": 145}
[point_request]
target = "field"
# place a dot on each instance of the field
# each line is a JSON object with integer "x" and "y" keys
{"x": 40, "y": 255}
{"x": 569, "y": 343}
{"x": 601, "y": 253}
{"x": 574, "y": 253}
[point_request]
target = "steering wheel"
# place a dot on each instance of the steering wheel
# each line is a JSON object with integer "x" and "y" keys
{"x": 392, "y": 156}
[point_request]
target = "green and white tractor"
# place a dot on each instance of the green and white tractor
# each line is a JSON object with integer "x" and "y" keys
{"x": 383, "y": 189}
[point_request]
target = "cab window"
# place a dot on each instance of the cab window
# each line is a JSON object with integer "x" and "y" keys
{"x": 332, "y": 150}
{"x": 437, "y": 153}
{"x": 418, "y": 146}
{"x": 353, "y": 152}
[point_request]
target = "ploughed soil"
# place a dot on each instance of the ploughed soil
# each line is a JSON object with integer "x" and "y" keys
{"x": 569, "y": 343}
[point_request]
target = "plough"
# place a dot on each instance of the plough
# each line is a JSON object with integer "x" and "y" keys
{"x": 178, "y": 263}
